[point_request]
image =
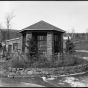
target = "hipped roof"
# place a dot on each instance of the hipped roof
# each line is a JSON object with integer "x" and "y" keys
{"x": 42, "y": 25}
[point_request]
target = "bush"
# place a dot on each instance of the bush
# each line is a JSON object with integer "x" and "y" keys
{"x": 32, "y": 50}
{"x": 15, "y": 63}
{"x": 65, "y": 60}
{"x": 5, "y": 66}
{"x": 69, "y": 46}
{"x": 18, "y": 61}
{"x": 42, "y": 62}
{"x": 71, "y": 60}
{"x": 0, "y": 45}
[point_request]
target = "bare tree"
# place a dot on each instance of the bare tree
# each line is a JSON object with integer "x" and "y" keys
{"x": 86, "y": 34}
{"x": 0, "y": 25}
{"x": 73, "y": 31}
{"x": 0, "y": 32}
{"x": 8, "y": 19}
{"x": 67, "y": 33}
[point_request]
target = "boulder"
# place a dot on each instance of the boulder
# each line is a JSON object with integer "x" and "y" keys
{"x": 30, "y": 72}
{"x": 18, "y": 72}
{"x": 22, "y": 72}
{"x": 11, "y": 74}
{"x": 13, "y": 69}
{"x": 19, "y": 69}
{"x": 10, "y": 69}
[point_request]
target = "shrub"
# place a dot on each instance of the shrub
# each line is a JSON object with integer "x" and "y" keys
{"x": 32, "y": 50}
{"x": 65, "y": 60}
{"x": 14, "y": 63}
{"x": 17, "y": 61}
{"x": 5, "y": 66}
{"x": 8, "y": 55}
{"x": 69, "y": 46}
{"x": 42, "y": 62}
{"x": 0, "y": 45}
{"x": 71, "y": 60}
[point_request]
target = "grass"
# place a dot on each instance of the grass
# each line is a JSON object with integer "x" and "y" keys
{"x": 68, "y": 59}
{"x": 3, "y": 64}
{"x": 81, "y": 45}
{"x": 65, "y": 60}
{"x": 81, "y": 54}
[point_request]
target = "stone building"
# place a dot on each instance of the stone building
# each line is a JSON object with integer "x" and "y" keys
{"x": 49, "y": 38}
{"x": 14, "y": 44}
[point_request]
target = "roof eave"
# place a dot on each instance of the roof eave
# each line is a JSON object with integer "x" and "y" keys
{"x": 42, "y": 30}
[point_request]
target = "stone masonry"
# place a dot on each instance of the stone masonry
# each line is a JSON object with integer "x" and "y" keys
{"x": 28, "y": 35}
{"x": 49, "y": 45}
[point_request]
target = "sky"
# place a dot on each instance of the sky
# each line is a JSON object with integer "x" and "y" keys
{"x": 67, "y": 15}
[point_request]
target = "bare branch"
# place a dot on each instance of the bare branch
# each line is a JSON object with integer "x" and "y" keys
{"x": 73, "y": 31}
{"x": 8, "y": 19}
{"x": 86, "y": 33}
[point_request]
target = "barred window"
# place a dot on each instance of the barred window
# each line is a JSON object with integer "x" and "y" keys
{"x": 55, "y": 43}
{"x": 42, "y": 38}
{"x": 9, "y": 48}
{"x": 23, "y": 42}
{"x": 15, "y": 46}
{"x": 42, "y": 43}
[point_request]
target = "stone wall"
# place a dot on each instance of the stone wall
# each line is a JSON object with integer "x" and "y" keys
{"x": 12, "y": 41}
{"x": 61, "y": 70}
{"x": 28, "y": 35}
{"x": 50, "y": 71}
{"x": 49, "y": 45}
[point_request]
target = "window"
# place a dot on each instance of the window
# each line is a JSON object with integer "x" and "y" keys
{"x": 42, "y": 38}
{"x": 15, "y": 46}
{"x": 42, "y": 43}
{"x": 23, "y": 42}
{"x": 9, "y": 48}
{"x": 56, "y": 43}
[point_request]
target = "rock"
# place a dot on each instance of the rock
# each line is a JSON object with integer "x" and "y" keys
{"x": 14, "y": 69}
{"x": 30, "y": 72}
{"x": 19, "y": 69}
{"x": 1, "y": 72}
{"x": 26, "y": 71}
{"x": 22, "y": 73}
{"x": 18, "y": 72}
{"x": 45, "y": 72}
{"x": 10, "y": 69}
{"x": 11, "y": 74}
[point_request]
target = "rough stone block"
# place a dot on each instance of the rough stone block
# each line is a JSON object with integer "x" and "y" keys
{"x": 18, "y": 72}
{"x": 14, "y": 69}
{"x": 49, "y": 45}
{"x": 30, "y": 72}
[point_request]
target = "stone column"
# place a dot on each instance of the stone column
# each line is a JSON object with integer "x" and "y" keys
{"x": 28, "y": 36}
{"x": 49, "y": 45}
{"x": 20, "y": 45}
{"x": 61, "y": 43}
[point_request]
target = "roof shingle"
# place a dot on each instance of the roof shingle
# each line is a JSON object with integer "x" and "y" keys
{"x": 42, "y": 25}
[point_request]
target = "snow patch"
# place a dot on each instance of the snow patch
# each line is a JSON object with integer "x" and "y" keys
{"x": 74, "y": 82}
{"x": 61, "y": 83}
{"x": 86, "y": 51}
{"x": 31, "y": 85}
